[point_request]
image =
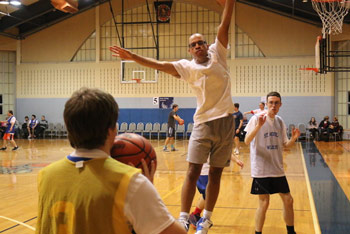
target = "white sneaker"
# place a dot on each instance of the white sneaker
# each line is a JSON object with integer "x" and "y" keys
{"x": 203, "y": 226}
{"x": 185, "y": 223}
{"x": 236, "y": 151}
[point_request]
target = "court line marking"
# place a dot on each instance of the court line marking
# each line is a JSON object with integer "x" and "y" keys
{"x": 18, "y": 222}
{"x": 311, "y": 196}
{"x": 171, "y": 192}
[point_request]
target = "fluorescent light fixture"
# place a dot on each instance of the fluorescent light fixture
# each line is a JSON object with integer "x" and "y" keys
{"x": 4, "y": 2}
{"x": 15, "y": 2}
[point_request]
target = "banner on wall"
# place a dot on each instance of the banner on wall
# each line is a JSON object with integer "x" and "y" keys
{"x": 166, "y": 102}
{"x": 163, "y": 11}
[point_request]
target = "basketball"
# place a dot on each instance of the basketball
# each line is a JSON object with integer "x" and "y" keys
{"x": 131, "y": 148}
{"x": 181, "y": 122}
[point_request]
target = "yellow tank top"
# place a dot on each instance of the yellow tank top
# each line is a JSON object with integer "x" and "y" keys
{"x": 87, "y": 200}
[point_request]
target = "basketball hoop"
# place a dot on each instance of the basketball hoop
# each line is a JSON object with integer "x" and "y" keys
{"x": 314, "y": 69}
{"x": 308, "y": 73}
{"x": 332, "y": 13}
{"x": 138, "y": 80}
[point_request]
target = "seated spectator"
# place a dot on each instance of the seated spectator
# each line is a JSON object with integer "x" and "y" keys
{"x": 313, "y": 128}
{"x": 324, "y": 129}
{"x": 33, "y": 124}
{"x": 25, "y": 127}
{"x": 43, "y": 125}
{"x": 336, "y": 127}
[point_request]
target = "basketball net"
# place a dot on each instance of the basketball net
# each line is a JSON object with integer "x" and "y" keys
{"x": 332, "y": 13}
{"x": 138, "y": 81}
{"x": 308, "y": 73}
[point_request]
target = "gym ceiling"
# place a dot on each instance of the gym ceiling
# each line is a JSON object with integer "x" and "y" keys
{"x": 32, "y": 16}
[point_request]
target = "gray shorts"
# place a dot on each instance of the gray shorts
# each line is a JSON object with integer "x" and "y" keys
{"x": 213, "y": 139}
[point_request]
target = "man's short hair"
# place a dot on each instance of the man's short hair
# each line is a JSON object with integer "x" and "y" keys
{"x": 88, "y": 116}
{"x": 237, "y": 105}
{"x": 273, "y": 94}
{"x": 26, "y": 117}
{"x": 174, "y": 106}
{"x": 11, "y": 112}
{"x": 263, "y": 103}
{"x": 34, "y": 116}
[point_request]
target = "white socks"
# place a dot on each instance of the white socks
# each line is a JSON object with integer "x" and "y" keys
{"x": 207, "y": 214}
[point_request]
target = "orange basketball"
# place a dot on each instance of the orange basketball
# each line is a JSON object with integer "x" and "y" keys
{"x": 131, "y": 148}
{"x": 181, "y": 122}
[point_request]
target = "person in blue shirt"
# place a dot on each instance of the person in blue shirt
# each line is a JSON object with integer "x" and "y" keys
{"x": 10, "y": 131}
{"x": 238, "y": 117}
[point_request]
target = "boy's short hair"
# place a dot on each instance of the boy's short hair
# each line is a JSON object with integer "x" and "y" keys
{"x": 273, "y": 94}
{"x": 174, "y": 106}
{"x": 263, "y": 103}
{"x": 88, "y": 116}
{"x": 11, "y": 112}
{"x": 237, "y": 105}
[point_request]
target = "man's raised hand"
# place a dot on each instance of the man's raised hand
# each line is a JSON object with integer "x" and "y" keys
{"x": 121, "y": 53}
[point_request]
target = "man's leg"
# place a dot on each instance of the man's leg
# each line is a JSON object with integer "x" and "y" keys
{"x": 211, "y": 196}
{"x": 213, "y": 188}
{"x": 171, "y": 142}
{"x": 165, "y": 148}
{"x": 264, "y": 200}
{"x": 13, "y": 143}
{"x": 4, "y": 145}
{"x": 288, "y": 212}
{"x": 236, "y": 140}
{"x": 189, "y": 186}
{"x": 188, "y": 191}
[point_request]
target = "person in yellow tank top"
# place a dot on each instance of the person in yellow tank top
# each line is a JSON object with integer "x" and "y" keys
{"x": 88, "y": 192}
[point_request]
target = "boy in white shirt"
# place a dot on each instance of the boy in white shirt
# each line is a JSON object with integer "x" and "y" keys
{"x": 267, "y": 135}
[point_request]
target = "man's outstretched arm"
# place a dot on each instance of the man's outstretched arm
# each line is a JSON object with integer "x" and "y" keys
{"x": 163, "y": 66}
{"x": 225, "y": 22}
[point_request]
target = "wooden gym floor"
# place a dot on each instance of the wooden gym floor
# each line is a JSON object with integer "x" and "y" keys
{"x": 235, "y": 209}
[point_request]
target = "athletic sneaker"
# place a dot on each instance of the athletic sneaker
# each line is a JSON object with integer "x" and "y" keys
{"x": 3, "y": 148}
{"x": 165, "y": 149}
{"x": 203, "y": 226}
{"x": 236, "y": 151}
{"x": 15, "y": 148}
{"x": 193, "y": 219}
{"x": 173, "y": 149}
{"x": 184, "y": 223}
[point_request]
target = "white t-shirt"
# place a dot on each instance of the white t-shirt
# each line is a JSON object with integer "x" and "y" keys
{"x": 210, "y": 82}
{"x": 13, "y": 120}
{"x": 150, "y": 217}
{"x": 267, "y": 147}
